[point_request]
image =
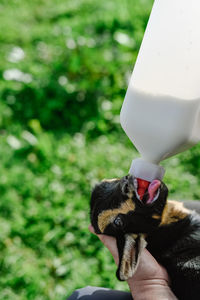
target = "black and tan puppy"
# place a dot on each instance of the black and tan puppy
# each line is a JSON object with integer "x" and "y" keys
{"x": 170, "y": 231}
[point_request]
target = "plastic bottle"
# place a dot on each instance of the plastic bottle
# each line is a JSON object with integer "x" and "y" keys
{"x": 161, "y": 110}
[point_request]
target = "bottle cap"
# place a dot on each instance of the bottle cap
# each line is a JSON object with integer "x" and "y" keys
{"x": 145, "y": 170}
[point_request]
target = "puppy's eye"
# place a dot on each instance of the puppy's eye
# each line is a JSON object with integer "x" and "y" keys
{"x": 118, "y": 221}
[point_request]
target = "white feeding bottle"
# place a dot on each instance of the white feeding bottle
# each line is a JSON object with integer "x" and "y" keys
{"x": 161, "y": 110}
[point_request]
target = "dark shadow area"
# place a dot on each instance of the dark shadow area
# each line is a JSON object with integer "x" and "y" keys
{"x": 100, "y": 294}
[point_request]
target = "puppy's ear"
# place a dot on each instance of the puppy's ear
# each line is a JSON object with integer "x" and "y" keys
{"x": 130, "y": 247}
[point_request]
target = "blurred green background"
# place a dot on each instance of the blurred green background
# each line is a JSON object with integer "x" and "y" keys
{"x": 64, "y": 70}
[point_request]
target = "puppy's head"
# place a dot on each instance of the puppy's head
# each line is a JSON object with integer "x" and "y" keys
{"x": 117, "y": 210}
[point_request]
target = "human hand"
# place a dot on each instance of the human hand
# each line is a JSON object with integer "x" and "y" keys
{"x": 150, "y": 280}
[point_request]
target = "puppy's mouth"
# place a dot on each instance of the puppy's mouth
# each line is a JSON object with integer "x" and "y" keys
{"x": 147, "y": 192}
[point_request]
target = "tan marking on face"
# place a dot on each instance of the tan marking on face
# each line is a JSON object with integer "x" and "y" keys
{"x": 130, "y": 194}
{"x": 108, "y": 216}
{"x": 110, "y": 180}
{"x": 174, "y": 211}
{"x": 157, "y": 217}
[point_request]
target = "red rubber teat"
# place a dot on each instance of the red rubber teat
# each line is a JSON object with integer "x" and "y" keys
{"x": 142, "y": 187}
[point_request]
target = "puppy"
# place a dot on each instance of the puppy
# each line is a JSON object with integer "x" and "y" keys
{"x": 170, "y": 231}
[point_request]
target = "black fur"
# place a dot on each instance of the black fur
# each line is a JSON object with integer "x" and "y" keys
{"x": 176, "y": 245}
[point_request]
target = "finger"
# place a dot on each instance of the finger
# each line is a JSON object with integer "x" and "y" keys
{"x": 91, "y": 229}
{"x": 109, "y": 242}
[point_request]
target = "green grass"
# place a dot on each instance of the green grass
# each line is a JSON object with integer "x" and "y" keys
{"x": 60, "y": 134}
{"x": 45, "y": 184}
{"x": 76, "y": 57}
